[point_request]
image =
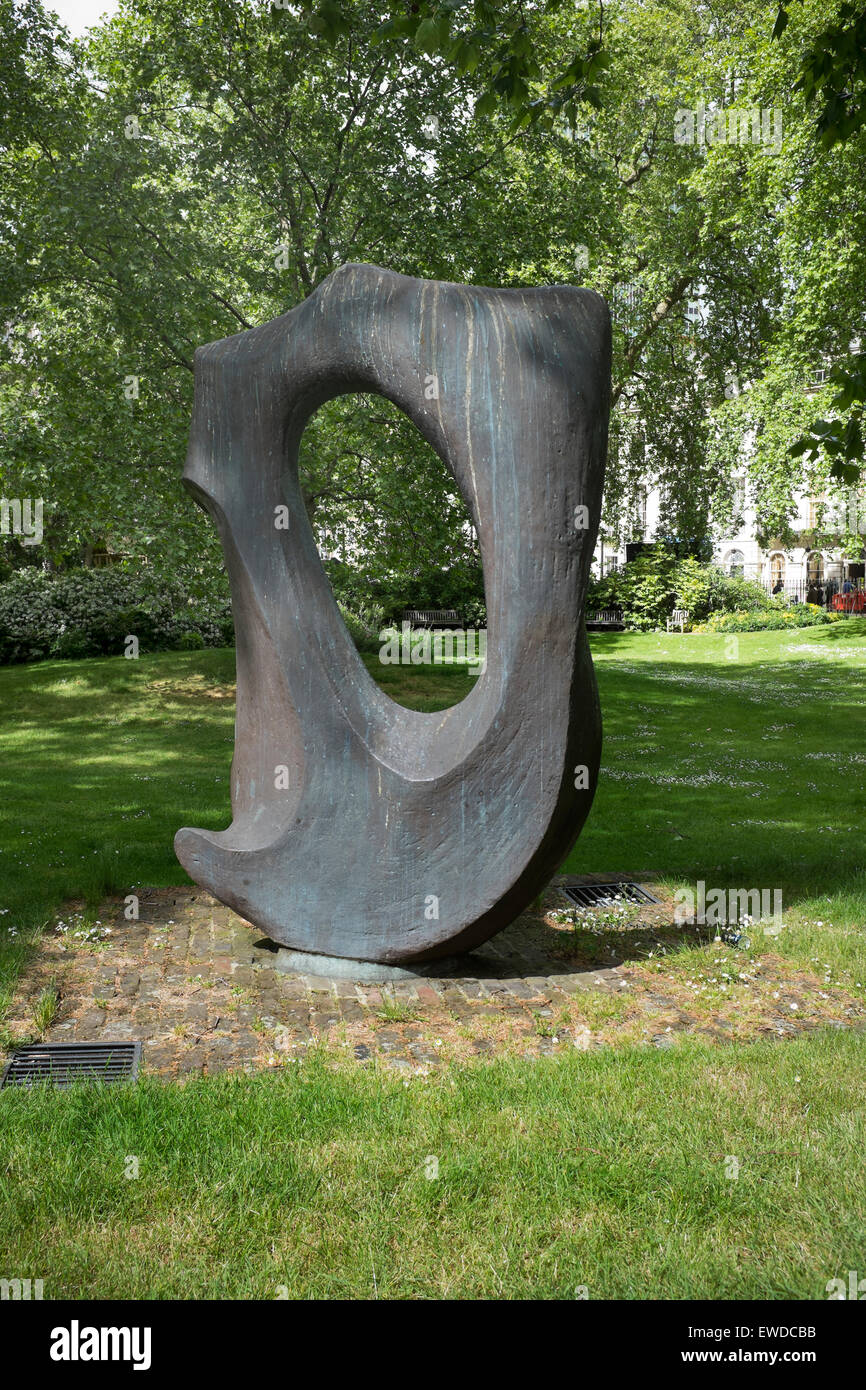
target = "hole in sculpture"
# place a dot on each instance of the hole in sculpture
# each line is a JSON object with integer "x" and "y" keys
{"x": 399, "y": 549}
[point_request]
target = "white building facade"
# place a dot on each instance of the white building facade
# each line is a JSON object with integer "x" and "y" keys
{"x": 792, "y": 569}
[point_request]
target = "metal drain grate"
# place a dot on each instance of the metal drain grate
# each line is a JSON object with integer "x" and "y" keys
{"x": 63, "y": 1063}
{"x": 606, "y": 894}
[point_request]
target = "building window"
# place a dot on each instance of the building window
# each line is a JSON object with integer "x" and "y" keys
{"x": 739, "y": 495}
{"x": 626, "y": 301}
{"x": 695, "y": 312}
{"x": 815, "y": 567}
{"x": 777, "y": 573}
{"x": 817, "y": 505}
{"x": 628, "y": 295}
{"x": 736, "y": 564}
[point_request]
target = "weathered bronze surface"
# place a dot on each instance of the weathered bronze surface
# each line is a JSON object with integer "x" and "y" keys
{"x": 403, "y": 836}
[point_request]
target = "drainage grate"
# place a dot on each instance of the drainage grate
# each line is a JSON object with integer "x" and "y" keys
{"x": 63, "y": 1063}
{"x": 606, "y": 894}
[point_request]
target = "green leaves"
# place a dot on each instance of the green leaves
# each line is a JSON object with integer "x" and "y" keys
{"x": 781, "y": 23}
{"x": 833, "y": 76}
{"x": 466, "y": 56}
{"x": 486, "y": 104}
{"x": 433, "y": 34}
{"x": 398, "y": 27}
{"x": 329, "y": 21}
{"x": 266, "y": 137}
{"x": 833, "y": 72}
{"x": 581, "y": 68}
{"x": 840, "y": 440}
{"x": 461, "y": 35}
{"x": 852, "y": 380}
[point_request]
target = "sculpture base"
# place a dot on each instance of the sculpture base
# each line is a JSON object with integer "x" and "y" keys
{"x": 289, "y": 962}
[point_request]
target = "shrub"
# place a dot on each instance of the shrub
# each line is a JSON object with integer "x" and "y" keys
{"x": 90, "y": 612}
{"x": 773, "y": 618}
{"x": 364, "y": 625}
{"x": 651, "y": 586}
{"x": 460, "y": 587}
{"x": 644, "y": 589}
{"x": 706, "y": 589}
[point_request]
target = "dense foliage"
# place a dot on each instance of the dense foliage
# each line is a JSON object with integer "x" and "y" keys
{"x": 772, "y": 619}
{"x": 93, "y": 612}
{"x": 190, "y": 169}
{"x": 461, "y": 587}
{"x": 650, "y": 587}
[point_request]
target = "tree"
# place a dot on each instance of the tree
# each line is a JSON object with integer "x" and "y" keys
{"x": 833, "y": 78}
{"x": 192, "y": 169}
{"x": 534, "y": 85}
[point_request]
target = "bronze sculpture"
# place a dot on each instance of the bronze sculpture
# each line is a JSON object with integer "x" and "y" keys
{"x": 363, "y": 829}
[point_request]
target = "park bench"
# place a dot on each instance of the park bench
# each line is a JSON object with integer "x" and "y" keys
{"x": 605, "y": 620}
{"x": 432, "y": 617}
{"x": 678, "y": 619}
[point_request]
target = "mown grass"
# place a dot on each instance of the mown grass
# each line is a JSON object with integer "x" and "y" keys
{"x": 742, "y": 757}
{"x": 742, "y": 764}
{"x": 744, "y": 771}
{"x": 701, "y": 1174}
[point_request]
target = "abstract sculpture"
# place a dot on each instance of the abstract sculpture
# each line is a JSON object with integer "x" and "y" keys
{"x": 363, "y": 829}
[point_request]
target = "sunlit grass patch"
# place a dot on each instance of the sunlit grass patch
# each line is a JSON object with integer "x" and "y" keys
{"x": 638, "y": 1174}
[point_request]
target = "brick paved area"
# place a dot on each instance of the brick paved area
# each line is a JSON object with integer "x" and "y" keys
{"x": 198, "y": 986}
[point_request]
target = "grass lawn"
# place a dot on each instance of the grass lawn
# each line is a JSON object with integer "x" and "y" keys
{"x": 740, "y": 762}
{"x": 607, "y": 1170}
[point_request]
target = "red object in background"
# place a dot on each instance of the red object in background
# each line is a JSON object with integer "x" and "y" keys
{"x": 849, "y": 603}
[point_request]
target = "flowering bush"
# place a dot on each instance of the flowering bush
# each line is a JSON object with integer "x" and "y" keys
{"x": 768, "y": 619}
{"x": 90, "y": 612}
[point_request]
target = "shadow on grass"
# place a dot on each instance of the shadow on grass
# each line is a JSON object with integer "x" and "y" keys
{"x": 711, "y": 769}
{"x": 534, "y": 948}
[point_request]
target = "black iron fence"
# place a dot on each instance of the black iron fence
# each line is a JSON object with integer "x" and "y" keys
{"x": 845, "y": 594}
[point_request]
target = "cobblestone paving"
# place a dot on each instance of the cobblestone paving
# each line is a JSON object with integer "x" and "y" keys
{"x": 197, "y": 985}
